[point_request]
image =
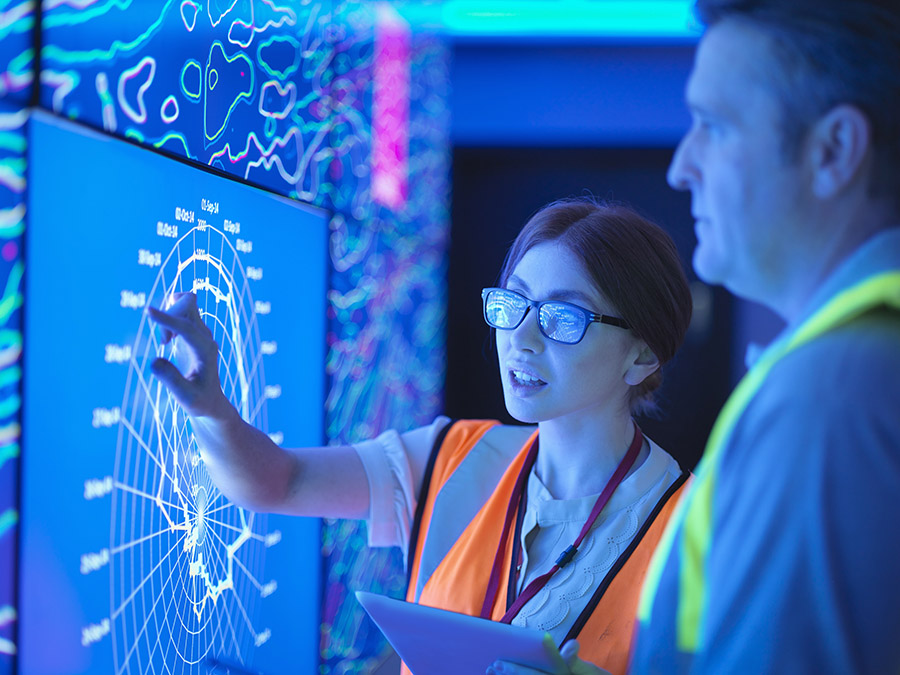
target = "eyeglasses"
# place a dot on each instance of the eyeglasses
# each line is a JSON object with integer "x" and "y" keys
{"x": 559, "y": 321}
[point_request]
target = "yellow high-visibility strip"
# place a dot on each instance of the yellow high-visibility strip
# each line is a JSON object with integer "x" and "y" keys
{"x": 695, "y": 511}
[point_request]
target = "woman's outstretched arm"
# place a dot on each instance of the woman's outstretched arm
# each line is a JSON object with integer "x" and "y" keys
{"x": 243, "y": 462}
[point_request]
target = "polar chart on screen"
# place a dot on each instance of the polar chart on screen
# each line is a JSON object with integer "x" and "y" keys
{"x": 185, "y": 563}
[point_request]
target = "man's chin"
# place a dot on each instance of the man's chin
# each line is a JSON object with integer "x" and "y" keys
{"x": 708, "y": 266}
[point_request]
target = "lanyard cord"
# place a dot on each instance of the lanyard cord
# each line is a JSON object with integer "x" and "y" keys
{"x": 516, "y": 506}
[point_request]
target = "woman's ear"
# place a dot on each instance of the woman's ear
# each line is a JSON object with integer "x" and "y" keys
{"x": 645, "y": 363}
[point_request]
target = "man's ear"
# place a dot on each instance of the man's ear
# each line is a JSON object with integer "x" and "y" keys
{"x": 839, "y": 143}
{"x": 643, "y": 366}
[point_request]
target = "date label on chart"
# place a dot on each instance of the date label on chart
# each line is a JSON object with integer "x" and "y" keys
{"x": 106, "y": 417}
{"x": 166, "y": 230}
{"x": 95, "y": 488}
{"x": 91, "y": 562}
{"x": 94, "y": 633}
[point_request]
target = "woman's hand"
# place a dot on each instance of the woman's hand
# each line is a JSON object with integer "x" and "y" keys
{"x": 569, "y": 652}
{"x": 198, "y": 390}
{"x": 243, "y": 462}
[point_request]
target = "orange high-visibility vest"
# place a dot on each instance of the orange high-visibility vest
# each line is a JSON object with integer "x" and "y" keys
{"x": 460, "y": 517}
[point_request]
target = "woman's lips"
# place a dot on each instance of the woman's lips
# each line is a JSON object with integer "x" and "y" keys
{"x": 525, "y": 382}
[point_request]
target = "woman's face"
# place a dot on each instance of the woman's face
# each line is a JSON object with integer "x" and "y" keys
{"x": 545, "y": 380}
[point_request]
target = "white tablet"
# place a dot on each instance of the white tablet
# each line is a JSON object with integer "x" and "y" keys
{"x": 437, "y": 642}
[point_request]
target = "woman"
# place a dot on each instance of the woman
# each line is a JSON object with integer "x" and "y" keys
{"x": 550, "y": 527}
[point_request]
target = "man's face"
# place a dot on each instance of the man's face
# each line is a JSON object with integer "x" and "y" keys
{"x": 746, "y": 195}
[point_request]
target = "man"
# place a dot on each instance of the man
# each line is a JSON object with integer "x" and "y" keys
{"x": 785, "y": 556}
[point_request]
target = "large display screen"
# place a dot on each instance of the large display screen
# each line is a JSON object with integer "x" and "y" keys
{"x": 131, "y": 560}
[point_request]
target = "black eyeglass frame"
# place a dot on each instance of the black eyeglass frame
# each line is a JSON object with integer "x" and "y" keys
{"x": 592, "y": 317}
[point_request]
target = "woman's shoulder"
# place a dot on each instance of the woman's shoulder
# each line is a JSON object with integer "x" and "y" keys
{"x": 661, "y": 460}
{"x": 654, "y": 478}
{"x": 462, "y": 437}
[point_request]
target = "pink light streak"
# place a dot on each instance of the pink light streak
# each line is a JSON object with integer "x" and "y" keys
{"x": 390, "y": 109}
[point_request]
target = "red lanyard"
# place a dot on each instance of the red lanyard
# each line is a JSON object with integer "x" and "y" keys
{"x": 516, "y": 505}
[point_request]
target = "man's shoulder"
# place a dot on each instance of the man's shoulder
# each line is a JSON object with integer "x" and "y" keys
{"x": 828, "y": 401}
{"x": 854, "y": 364}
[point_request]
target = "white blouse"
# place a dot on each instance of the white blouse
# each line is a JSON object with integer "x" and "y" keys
{"x": 395, "y": 465}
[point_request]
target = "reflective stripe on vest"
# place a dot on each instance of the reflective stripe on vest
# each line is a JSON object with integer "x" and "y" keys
{"x": 691, "y": 525}
{"x": 464, "y": 492}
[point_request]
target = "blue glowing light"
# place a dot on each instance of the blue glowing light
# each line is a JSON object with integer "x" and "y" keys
{"x": 563, "y": 18}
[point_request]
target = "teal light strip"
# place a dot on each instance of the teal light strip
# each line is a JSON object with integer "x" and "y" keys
{"x": 8, "y": 520}
{"x": 599, "y": 18}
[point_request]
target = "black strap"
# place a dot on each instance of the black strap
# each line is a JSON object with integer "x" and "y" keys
{"x": 582, "y": 619}
{"x": 423, "y": 497}
{"x": 512, "y": 589}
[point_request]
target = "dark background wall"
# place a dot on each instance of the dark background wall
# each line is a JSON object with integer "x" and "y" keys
{"x": 568, "y": 93}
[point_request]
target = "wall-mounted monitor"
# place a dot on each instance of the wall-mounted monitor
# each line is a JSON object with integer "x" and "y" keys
{"x": 131, "y": 560}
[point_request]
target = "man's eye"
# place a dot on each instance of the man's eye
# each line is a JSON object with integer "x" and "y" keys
{"x": 707, "y": 126}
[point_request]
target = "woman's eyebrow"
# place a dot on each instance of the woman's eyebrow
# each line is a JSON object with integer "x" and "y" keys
{"x": 563, "y": 294}
{"x": 570, "y": 295}
{"x": 513, "y": 279}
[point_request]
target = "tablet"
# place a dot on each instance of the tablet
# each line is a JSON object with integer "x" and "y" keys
{"x": 437, "y": 642}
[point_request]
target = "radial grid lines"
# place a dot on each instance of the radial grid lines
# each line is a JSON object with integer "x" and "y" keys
{"x": 185, "y": 563}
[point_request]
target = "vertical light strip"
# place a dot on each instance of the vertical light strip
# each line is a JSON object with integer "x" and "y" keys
{"x": 390, "y": 108}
